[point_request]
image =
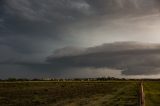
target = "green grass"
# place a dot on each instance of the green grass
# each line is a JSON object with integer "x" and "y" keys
{"x": 152, "y": 93}
{"x": 69, "y": 94}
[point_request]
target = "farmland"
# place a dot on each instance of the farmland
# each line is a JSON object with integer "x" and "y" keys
{"x": 69, "y": 93}
{"x": 152, "y": 93}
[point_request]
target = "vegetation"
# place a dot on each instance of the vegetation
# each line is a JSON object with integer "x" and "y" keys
{"x": 74, "y": 79}
{"x": 69, "y": 93}
{"x": 152, "y": 93}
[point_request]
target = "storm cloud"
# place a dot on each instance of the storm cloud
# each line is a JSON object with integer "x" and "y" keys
{"x": 55, "y": 37}
{"x": 131, "y": 57}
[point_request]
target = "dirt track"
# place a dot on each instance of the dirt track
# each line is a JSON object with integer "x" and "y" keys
{"x": 142, "y": 96}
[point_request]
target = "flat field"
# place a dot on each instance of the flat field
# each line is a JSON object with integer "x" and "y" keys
{"x": 50, "y": 93}
{"x": 152, "y": 93}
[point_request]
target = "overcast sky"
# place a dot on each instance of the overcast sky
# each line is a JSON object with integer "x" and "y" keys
{"x": 79, "y": 38}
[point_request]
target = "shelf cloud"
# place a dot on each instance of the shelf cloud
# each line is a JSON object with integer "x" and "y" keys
{"x": 74, "y": 35}
{"x": 131, "y": 57}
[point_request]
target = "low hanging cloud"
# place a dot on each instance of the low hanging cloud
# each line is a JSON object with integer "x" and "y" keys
{"x": 30, "y": 30}
{"x": 131, "y": 57}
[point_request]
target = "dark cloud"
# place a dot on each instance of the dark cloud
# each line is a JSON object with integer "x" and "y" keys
{"x": 30, "y": 30}
{"x": 41, "y": 17}
{"x": 30, "y": 27}
{"x": 132, "y": 58}
{"x": 121, "y": 7}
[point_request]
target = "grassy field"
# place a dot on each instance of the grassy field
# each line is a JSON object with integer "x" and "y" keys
{"x": 152, "y": 93}
{"x": 69, "y": 94}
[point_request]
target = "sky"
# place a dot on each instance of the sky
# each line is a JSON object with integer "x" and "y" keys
{"x": 79, "y": 38}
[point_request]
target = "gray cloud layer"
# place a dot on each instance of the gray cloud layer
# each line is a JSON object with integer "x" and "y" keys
{"x": 132, "y": 58}
{"x": 30, "y": 30}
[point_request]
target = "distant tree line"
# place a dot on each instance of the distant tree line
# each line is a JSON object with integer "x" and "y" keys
{"x": 74, "y": 79}
{"x": 64, "y": 79}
